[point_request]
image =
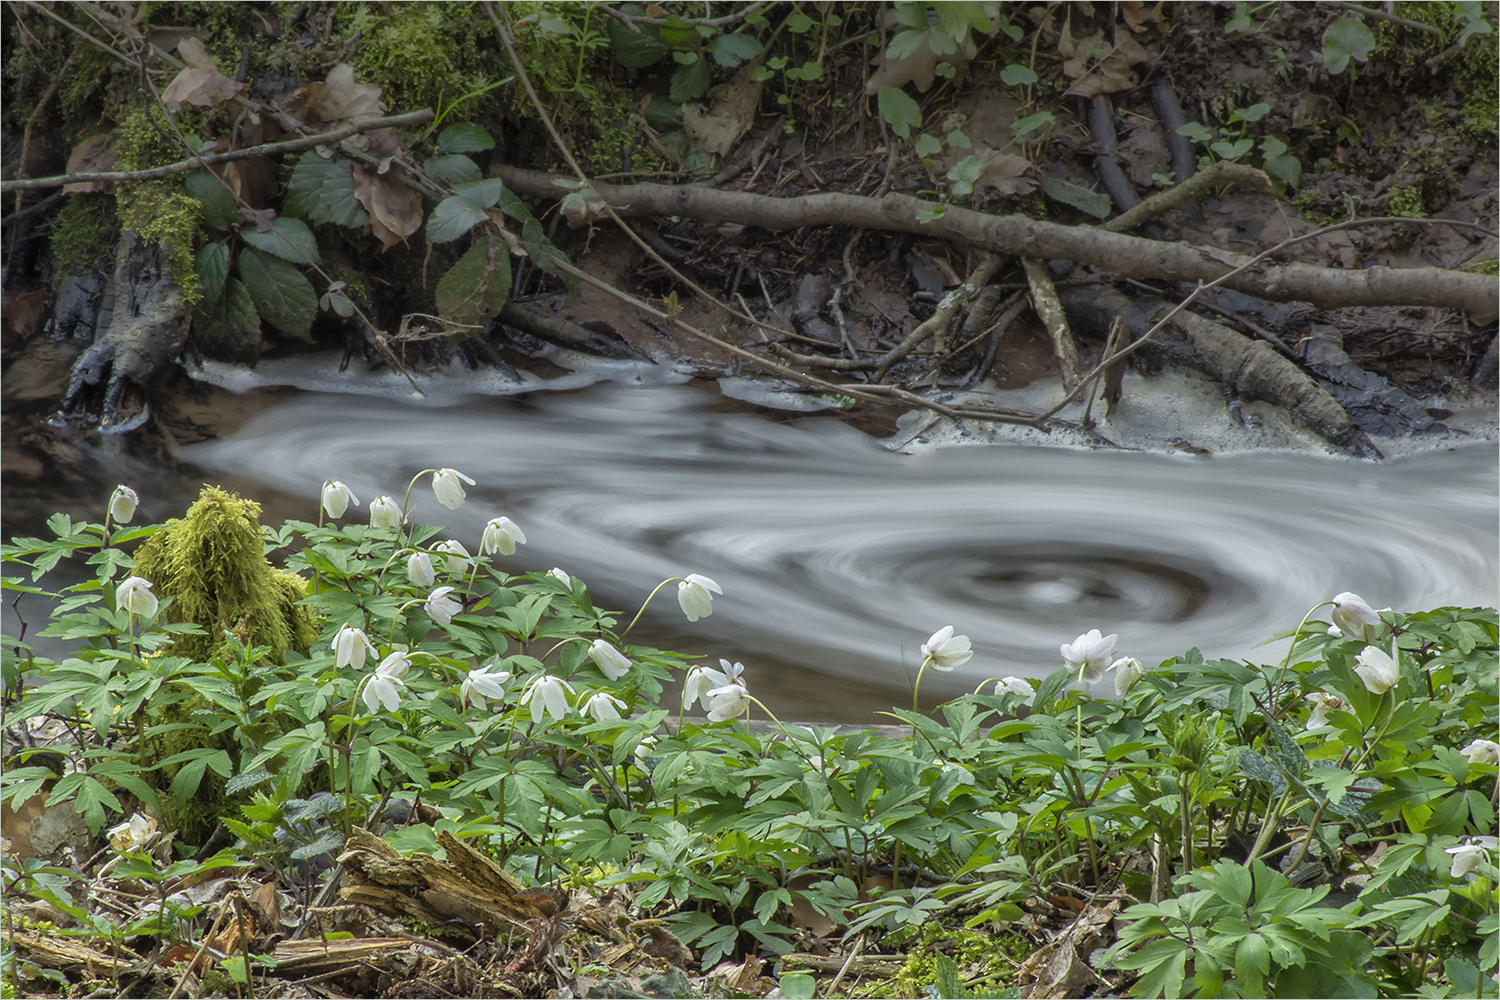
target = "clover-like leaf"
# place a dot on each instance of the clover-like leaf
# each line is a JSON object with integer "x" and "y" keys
{"x": 1345, "y": 39}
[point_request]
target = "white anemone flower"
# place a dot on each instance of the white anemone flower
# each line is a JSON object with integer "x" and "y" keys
{"x": 1482, "y": 752}
{"x": 440, "y": 607}
{"x": 603, "y": 705}
{"x": 946, "y": 650}
{"x": 733, "y": 672}
{"x": 447, "y": 489}
{"x": 1322, "y": 704}
{"x": 560, "y": 575}
{"x": 501, "y": 535}
{"x": 457, "y": 560}
{"x": 1127, "y": 672}
{"x": 1086, "y": 655}
{"x": 699, "y": 682}
{"x": 1378, "y": 671}
{"x": 728, "y": 702}
{"x": 610, "y": 661}
{"x": 134, "y": 595}
{"x": 1355, "y": 619}
{"x": 337, "y": 498}
{"x": 1470, "y": 854}
{"x": 122, "y": 504}
{"x": 133, "y": 834}
{"x": 350, "y": 647}
{"x": 384, "y": 689}
{"x": 694, "y": 597}
{"x": 1016, "y": 686}
{"x": 547, "y": 695}
{"x": 419, "y": 568}
{"x": 484, "y": 683}
{"x": 385, "y": 512}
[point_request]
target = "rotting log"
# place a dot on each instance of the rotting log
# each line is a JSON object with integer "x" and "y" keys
{"x": 1117, "y": 254}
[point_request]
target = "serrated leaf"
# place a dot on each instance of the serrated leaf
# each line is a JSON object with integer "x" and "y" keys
{"x": 481, "y": 193}
{"x": 476, "y": 288}
{"x": 250, "y": 779}
{"x": 690, "y": 82}
{"x": 464, "y": 137}
{"x": 323, "y": 191}
{"x": 634, "y": 46}
{"x": 453, "y": 216}
{"x": 1253, "y": 765}
{"x": 1092, "y": 202}
{"x": 289, "y": 239}
{"x": 282, "y": 294}
{"x": 731, "y": 50}
{"x": 452, "y": 169}
{"x": 232, "y": 325}
{"x": 899, "y": 110}
{"x": 210, "y": 192}
{"x": 212, "y": 265}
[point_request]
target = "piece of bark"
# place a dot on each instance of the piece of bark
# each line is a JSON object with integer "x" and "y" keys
{"x": 467, "y": 893}
{"x": 1049, "y": 309}
{"x": 1119, "y": 255}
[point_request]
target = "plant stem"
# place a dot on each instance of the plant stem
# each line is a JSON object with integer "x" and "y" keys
{"x": 670, "y": 579}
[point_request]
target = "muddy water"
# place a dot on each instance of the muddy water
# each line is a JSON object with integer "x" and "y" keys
{"x": 838, "y": 557}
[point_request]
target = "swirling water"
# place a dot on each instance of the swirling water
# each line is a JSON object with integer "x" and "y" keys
{"x": 838, "y": 556}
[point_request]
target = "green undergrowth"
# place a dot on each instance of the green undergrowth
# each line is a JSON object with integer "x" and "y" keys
{"x": 1319, "y": 825}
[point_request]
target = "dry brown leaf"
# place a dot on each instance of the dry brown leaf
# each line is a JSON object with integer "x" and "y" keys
{"x": 382, "y": 143}
{"x": 395, "y": 210}
{"x": 338, "y": 97}
{"x": 919, "y": 68}
{"x": 200, "y": 83}
{"x": 734, "y": 109}
{"x": 1099, "y": 67}
{"x": 1002, "y": 172}
{"x": 93, "y": 155}
{"x": 1137, "y": 14}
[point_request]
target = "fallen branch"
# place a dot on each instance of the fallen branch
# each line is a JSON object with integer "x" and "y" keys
{"x": 1119, "y": 255}
{"x": 1223, "y": 172}
{"x": 1050, "y": 311}
{"x": 941, "y": 315}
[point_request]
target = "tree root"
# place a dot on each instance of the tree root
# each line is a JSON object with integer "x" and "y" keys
{"x": 147, "y": 330}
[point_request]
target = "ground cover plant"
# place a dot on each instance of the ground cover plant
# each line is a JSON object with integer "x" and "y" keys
{"x": 254, "y": 712}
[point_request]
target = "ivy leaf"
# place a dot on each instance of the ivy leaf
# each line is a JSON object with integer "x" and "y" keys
{"x": 464, "y": 137}
{"x": 289, "y": 239}
{"x": 452, "y": 169}
{"x": 282, "y": 294}
{"x": 899, "y": 110}
{"x": 323, "y": 191}
{"x": 476, "y": 288}
{"x": 212, "y": 266}
{"x": 1092, "y": 202}
{"x": 1345, "y": 39}
{"x": 217, "y": 202}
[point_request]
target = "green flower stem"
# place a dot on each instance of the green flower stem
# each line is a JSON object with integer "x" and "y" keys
{"x": 917, "y": 687}
{"x": 1296, "y": 636}
{"x": 670, "y": 579}
{"x": 406, "y": 503}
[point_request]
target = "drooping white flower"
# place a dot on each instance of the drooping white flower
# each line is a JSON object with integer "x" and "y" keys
{"x": 694, "y": 598}
{"x": 384, "y": 689}
{"x": 610, "y": 661}
{"x": 457, "y": 561}
{"x": 134, "y": 595}
{"x": 484, "y": 683}
{"x": 603, "y": 705}
{"x": 728, "y": 702}
{"x": 350, "y": 647}
{"x": 946, "y": 650}
{"x": 501, "y": 535}
{"x": 1015, "y": 685}
{"x": 547, "y": 695}
{"x": 1355, "y": 619}
{"x": 385, "y": 512}
{"x": 337, "y": 498}
{"x": 447, "y": 489}
{"x": 1322, "y": 704}
{"x": 557, "y": 574}
{"x": 122, "y": 504}
{"x": 698, "y": 683}
{"x": 1378, "y": 671}
{"x": 440, "y": 607}
{"x": 1482, "y": 752}
{"x": 133, "y": 834}
{"x": 1470, "y": 854}
{"x": 733, "y": 672}
{"x": 419, "y": 568}
{"x": 646, "y": 747}
{"x": 1127, "y": 672}
{"x": 1086, "y": 655}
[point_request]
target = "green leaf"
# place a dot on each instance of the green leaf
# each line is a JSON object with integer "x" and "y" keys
{"x": 1196, "y": 132}
{"x": 634, "y": 46}
{"x": 899, "y": 110}
{"x": 289, "y": 239}
{"x": 927, "y": 145}
{"x": 218, "y": 204}
{"x": 1018, "y": 75}
{"x": 212, "y": 266}
{"x": 453, "y": 217}
{"x": 483, "y": 193}
{"x": 1092, "y": 202}
{"x": 731, "y": 50}
{"x": 231, "y": 323}
{"x": 476, "y": 288}
{"x": 452, "y": 169}
{"x": 464, "y": 137}
{"x": 1032, "y": 122}
{"x": 1346, "y": 39}
{"x": 282, "y": 294}
{"x": 323, "y": 191}
{"x": 798, "y": 986}
{"x": 690, "y": 82}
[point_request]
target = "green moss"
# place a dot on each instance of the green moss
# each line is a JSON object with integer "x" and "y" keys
{"x": 1407, "y": 202}
{"x": 1472, "y": 70}
{"x": 161, "y": 211}
{"x": 417, "y": 53}
{"x": 83, "y": 236}
{"x": 1490, "y": 267}
{"x": 971, "y": 950}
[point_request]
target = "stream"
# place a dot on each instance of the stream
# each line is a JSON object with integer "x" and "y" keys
{"x": 839, "y": 556}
